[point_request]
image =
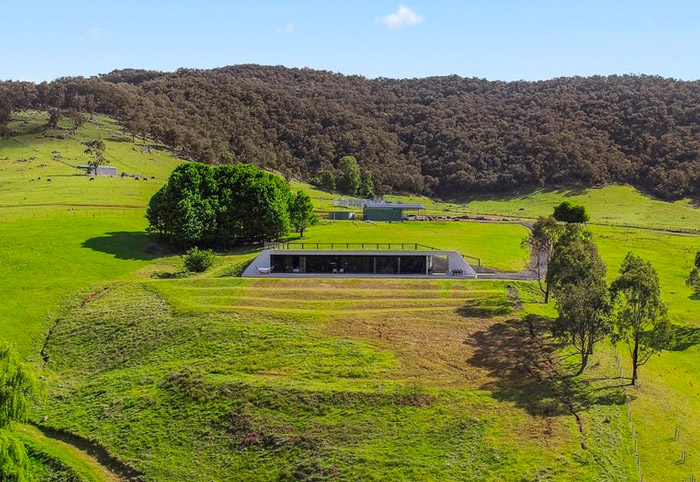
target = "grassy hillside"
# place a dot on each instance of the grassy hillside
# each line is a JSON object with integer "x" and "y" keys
{"x": 63, "y": 235}
{"x": 668, "y": 396}
{"x": 324, "y": 380}
{"x": 211, "y": 377}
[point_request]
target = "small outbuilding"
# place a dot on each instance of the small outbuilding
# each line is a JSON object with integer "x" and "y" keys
{"x": 99, "y": 170}
{"x": 341, "y": 215}
{"x": 382, "y": 211}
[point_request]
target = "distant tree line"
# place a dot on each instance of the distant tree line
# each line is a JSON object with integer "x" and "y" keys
{"x": 437, "y": 135}
{"x": 224, "y": 206}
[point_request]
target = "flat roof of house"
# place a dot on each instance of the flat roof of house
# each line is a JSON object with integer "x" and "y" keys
{"x": 360, "y": 252}
{"x": 394, "y": 205}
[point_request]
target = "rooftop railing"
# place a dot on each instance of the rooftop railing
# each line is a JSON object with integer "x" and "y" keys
{"x": 350, "y": 246}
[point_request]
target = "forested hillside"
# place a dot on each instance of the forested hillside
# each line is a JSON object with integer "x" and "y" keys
{"x": 437, "y": 135}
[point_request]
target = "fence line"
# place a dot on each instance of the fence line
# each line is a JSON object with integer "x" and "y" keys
{"x": 46, "y": 215}
{"x": 629, "y": 416}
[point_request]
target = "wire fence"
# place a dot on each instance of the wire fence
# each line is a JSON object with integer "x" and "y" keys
{"x": 67, "y": 213}
{"x": 684, "y": 456}
{"x": 630, "y": 421}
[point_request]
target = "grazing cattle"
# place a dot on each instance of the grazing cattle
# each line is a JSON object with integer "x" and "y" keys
{"x": 48, "y": 180}
{"x": 92, "y": 178}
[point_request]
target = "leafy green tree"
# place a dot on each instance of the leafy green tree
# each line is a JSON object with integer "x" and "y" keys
{"x": 185, "y": 208}
{"x": 325, "y": 180}
{"x": 577, "y": 279}
{"x": 541, "y": 240}
{"x": 54, "y": 117}
{"x": 253, "y": 205}
{"x": 17, "y": 386}
{"x": 564, "y": 268}
{"x": 96, "y": 149}
{"x": 568, "y": 212}
{"x": 639, "y": 313}
{"x": 301, "y": 212}
{"x": 349, "y": 181}
{"x": 694, "y": 277}
{"x": 77, "y": 120}
{"x": 220, "y": 206}
{"x": 366, "y": 189}
{"x": 5, "y": 112}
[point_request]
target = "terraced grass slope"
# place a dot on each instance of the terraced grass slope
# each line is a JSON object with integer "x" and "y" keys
{"x": 233, "y": 379}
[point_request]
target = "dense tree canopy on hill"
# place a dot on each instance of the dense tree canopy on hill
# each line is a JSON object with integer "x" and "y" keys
{"x": 440, "y": 135}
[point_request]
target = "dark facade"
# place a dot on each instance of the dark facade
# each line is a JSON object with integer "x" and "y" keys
{"x": 350, "y": 264}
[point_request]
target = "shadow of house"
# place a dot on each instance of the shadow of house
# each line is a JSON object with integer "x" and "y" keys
{"x": 524, "y": 369}
{"x": 126, "y": 245}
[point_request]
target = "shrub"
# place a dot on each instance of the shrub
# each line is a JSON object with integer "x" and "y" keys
{"x": 569, "y": 212}
{"x": 198, "y": 260}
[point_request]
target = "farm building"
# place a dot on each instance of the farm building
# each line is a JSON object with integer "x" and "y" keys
{"x": 381, "y": 211}
{"x": 99, "y": 170}
{"x": 392, "y": 260}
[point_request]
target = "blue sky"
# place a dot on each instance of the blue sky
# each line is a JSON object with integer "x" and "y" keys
{"x": 493, "y": 39}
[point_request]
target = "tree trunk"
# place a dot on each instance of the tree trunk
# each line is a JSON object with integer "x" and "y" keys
{"x": 546, "y": 295}
{"x": 635, "y": 360}
{"x": 584, "y": 362}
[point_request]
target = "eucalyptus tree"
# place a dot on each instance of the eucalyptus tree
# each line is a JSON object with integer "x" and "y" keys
{"x": 577, "y": 279}
{"x": 544, "y": 233}
{"x": 639, "y": 312}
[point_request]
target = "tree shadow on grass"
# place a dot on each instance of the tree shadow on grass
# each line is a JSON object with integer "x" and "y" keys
{"x": 524, "y": 369}
{"x": 131, "y": 245}
{"x": 684, "y": 337}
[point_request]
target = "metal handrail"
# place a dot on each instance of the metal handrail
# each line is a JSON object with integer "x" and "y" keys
{"x": 282, "y": 245}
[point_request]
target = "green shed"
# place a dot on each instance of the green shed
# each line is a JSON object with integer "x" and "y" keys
{"x": 341, "y": 215}
{"x": 378, "y": 211}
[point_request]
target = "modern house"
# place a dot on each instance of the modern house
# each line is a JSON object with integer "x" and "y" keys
{"x": 383, "y": 211}
{"x": 99, "y": 170}
{"x": 390, "y": 260}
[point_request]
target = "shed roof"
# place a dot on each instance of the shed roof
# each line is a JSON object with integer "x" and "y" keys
{"x": 394, "y": 205}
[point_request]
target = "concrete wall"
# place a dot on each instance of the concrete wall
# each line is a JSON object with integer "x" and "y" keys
{"x": 262, "y": 261}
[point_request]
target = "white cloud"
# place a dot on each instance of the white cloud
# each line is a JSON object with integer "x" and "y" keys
{"x": 403, "y": 16}
{"x": 289, "y": 28}
{"x": 92, "y": 31}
